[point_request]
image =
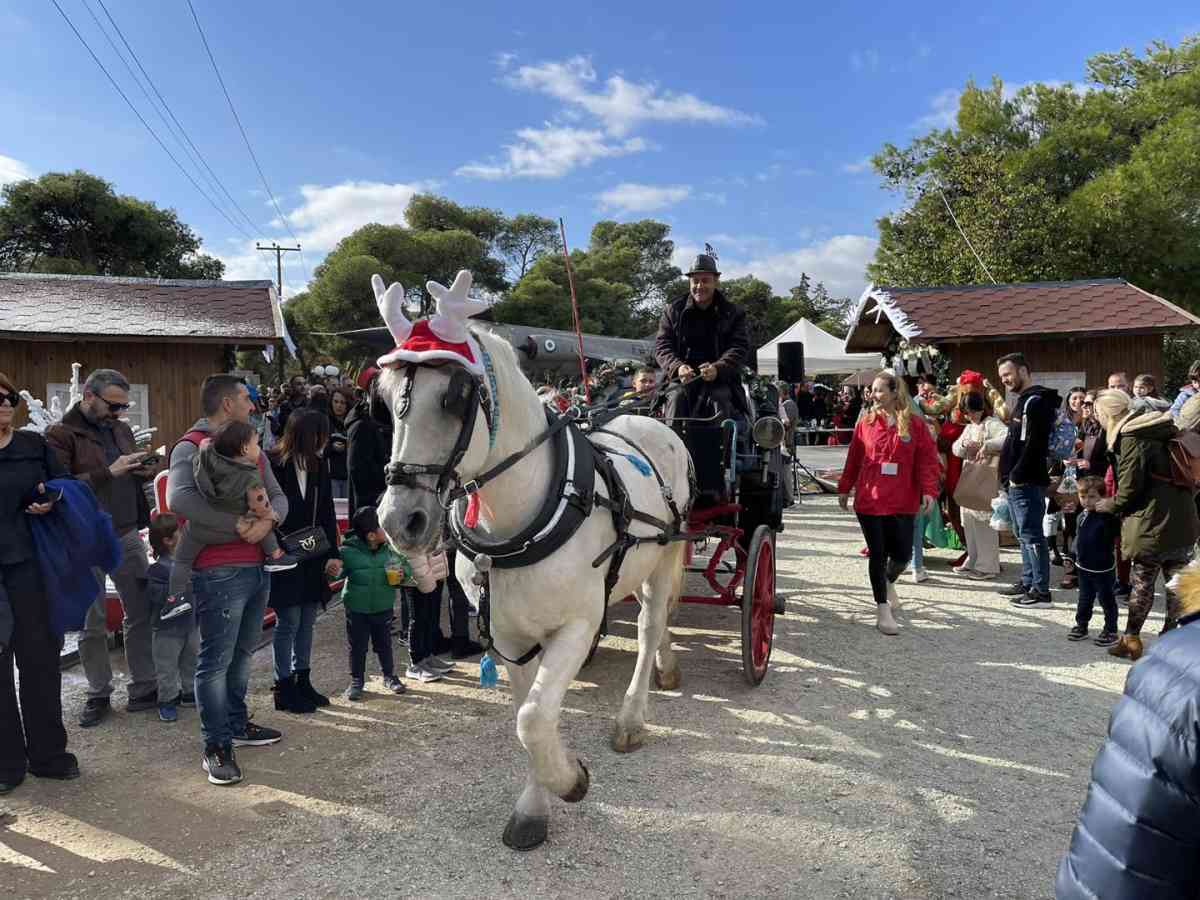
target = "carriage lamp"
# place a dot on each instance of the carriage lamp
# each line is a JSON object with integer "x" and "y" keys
{"x": 768, "y": 432}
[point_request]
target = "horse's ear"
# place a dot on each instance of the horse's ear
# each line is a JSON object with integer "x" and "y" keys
{"x": 391, "y": 307}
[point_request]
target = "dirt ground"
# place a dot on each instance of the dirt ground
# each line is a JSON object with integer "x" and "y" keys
{"x": 947, "y": 762}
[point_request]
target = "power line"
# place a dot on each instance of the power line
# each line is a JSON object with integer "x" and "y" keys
{"x": 183, "y": 131}
{"x": 245, "y": 137}
{"x": 146, "y": 124}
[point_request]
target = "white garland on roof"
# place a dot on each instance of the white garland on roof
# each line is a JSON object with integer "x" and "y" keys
{"x": 885, "y": 305}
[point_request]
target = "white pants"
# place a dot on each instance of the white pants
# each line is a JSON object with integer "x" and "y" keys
{"x": 983, "y": 545}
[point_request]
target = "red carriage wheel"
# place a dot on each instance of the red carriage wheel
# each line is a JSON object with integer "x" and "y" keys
{"x": 758, "y": 606}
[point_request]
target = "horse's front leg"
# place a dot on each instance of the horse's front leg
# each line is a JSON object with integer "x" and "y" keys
{"x": 530, "y": 819}
{"x": 563, "y": 653}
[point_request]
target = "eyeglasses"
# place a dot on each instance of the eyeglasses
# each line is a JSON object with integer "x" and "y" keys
{"x": 13, "y": 398}
{"x": 116, "y": 407}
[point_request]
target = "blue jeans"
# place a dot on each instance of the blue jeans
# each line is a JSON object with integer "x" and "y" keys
{"x": 230, "y": 602}
{"x": 293, "y": 639}
{"x": 1027, "y": 502}
{"x": 918, "y": 554}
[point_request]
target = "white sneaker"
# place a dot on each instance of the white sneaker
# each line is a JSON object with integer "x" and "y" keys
{"x": 422, "y": 674}
{"x": 919, "y": 575}
{"x": 892, "y": 598}
{"x": 885, "y": 621}
{"x": 963, "y": 570}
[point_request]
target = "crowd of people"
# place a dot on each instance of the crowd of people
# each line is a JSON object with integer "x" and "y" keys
{"x": 249, "y": 524}
{"x": 1083, "y": 482}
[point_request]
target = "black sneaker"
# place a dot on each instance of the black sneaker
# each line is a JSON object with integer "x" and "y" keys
{"x": 281, "y": 563}
{"x": 220, "y": 765}
{"x": 65, "y": 768}
{"x": 1078, "y": 633}
{"x": 143, "y": 702}
{"x": 256, "y": 736}
{"x": 1014, "y": 590}
{"x": 1033, "y": 598}
{"x": 94, "y": 711}
{"x": 1106, "y": 638}
{"x": 175, "y": 605}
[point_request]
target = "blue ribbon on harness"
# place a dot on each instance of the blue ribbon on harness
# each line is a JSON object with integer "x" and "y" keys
{"x": 638, "y": 463}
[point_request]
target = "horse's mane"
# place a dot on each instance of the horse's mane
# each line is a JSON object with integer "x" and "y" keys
{"x": 521, "y": 412}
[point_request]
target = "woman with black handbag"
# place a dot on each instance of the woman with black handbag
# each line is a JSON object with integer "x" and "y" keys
{"x": 310, "y": 533}
{"x": 32, "y": 736}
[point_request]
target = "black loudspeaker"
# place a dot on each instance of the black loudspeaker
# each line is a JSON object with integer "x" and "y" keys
{"x": 791, "y": 361}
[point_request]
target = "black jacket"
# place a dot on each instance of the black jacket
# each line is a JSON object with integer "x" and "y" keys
{"x": 1138, "y": 834}
{"x": 1095, "y": 541}
{"x": 690, "y": 335}
{"x": 1023, "y": 459}
{"x": 337, "y": 449}
{"x": 368, "y": 452}
{"x": 27, "y": 461}
{"x": 306, "y": 583}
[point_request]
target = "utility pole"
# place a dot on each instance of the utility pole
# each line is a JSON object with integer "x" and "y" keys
{"x": 279, "y": 251}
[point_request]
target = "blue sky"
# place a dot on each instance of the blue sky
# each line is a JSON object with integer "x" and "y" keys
{"x": 746, "y": 125}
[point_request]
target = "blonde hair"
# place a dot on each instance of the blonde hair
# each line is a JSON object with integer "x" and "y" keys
{"x": 1111, "y": 409}
{"x": 903, "y": 402}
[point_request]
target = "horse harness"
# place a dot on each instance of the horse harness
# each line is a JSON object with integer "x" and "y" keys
{"x": 567, "y": 506}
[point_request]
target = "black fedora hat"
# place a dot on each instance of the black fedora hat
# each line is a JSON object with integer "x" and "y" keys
{"x": 704, "y": 263}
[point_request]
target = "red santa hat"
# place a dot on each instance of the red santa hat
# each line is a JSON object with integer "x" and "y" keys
{"x": 444, "y": 336}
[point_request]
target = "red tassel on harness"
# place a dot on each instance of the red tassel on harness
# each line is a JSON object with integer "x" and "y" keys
{"x": 471, "y": 519}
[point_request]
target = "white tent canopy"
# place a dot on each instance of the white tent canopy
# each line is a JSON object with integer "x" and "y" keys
{"x": 823, "y": 354}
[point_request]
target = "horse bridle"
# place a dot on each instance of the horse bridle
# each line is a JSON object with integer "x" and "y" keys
{"x": 465, "y": 396}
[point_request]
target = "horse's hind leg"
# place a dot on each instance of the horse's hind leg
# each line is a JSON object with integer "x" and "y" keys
{"x": 666, "y": 666}
{"x": 529, "y": 822}
{"x": 630, "y": 728}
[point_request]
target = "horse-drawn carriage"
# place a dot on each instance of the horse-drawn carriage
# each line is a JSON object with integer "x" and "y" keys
{"x": 555, "y": 520}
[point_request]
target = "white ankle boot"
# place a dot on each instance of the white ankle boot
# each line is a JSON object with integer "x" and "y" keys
{"x": 884, "y": 620}
{"x": 892, "y": 598}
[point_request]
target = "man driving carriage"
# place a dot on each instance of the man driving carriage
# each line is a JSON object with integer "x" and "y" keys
{"x": 703, "y": 341}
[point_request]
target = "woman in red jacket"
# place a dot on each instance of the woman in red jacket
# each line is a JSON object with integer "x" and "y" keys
{"x": 892, "y": 468}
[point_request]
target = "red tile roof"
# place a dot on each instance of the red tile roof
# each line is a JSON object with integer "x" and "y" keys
{"x": 993, "y": 311}
{"x": 147, "y": 308}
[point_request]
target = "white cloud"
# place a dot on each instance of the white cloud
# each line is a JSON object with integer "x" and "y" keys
{"x": 629, "y": 197}
{"x": 325, "y": 216}
{"x": 864, "y": 60}
{"x": 503, "y": 60}
{"x": 620, "y": 105}
{"x": 720, "y": 198}
{"x": 858, "y": 167}
{"x": 551, "y": 152}
{"x": 839, "y": 261}
{"x": 13, "y": 170}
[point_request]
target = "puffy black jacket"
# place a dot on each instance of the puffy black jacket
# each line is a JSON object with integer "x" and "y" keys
{"x": 1138, "y": 835}
{"x": 1023, "y": 459}
{"x": 368, "y": 452}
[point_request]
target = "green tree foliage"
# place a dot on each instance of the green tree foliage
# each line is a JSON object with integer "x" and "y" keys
{"x": 1055, "y": 182}
{"x": 524, "y": 239}
{"x": 622, "y": 280}
{"x": 75, "y": 224}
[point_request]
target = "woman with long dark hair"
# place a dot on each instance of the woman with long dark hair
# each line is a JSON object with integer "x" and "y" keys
{"x": 892, "y": 468}
{"x": 32, "y": 736}
{"x": 341, "y": 401}
{"x": 303, "y": 474}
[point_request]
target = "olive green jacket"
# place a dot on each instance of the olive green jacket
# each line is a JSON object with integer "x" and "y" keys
{"x": 1157, "y": 516}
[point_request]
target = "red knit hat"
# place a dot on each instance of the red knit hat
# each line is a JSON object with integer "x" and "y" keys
{"x": 971, "y": 380}
{"x": 444, "y": 336}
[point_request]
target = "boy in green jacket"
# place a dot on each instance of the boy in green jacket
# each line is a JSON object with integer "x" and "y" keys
{"x": 374, "y": 573}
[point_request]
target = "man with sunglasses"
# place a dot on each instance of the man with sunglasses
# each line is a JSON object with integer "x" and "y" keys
{"x": 97, "y": 447}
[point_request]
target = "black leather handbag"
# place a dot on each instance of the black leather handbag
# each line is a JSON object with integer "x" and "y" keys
{"x": 310, "y": 542}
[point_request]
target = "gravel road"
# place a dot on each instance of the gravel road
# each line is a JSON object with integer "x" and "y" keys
{"x": 947, "y": 762}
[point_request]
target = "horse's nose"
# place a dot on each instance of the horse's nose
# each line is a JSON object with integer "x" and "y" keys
{"x": 415, "y": 524}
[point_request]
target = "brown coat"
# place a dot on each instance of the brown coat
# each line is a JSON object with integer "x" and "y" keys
{"x": 82, "y": 454}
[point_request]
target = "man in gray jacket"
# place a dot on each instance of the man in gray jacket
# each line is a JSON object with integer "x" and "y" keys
{"x": 230, "y": 588}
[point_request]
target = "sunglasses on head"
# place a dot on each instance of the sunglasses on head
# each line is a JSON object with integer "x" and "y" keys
{"x": 13, "y": 398}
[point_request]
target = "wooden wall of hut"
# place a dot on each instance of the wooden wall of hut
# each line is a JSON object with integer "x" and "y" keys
{"x": 172, "y": 371}
{"x": 1097, "y": 357}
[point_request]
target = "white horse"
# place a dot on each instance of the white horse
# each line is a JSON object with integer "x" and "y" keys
{"x": 558, "y": 602}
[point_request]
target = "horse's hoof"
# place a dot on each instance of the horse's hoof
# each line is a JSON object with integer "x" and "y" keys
{"x": 525, "y": 832}
{"x": 582, "y": 781}
{"x": 667, "y": 681}
{"x": 624, "y": 741}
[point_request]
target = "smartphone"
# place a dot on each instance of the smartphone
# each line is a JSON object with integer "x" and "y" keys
{"x": 149, "y": 459}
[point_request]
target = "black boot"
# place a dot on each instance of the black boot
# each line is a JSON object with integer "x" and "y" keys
{"x": 306, "y": 691}
{"x": 288, "y": 699}
{"x": 465, "y": 648}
